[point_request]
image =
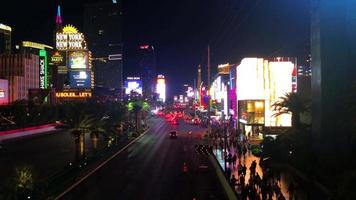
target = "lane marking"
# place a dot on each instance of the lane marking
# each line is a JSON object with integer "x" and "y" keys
{"x": 100, "y": 166}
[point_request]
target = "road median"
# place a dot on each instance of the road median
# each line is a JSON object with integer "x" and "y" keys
{"x": 88, "y": 174}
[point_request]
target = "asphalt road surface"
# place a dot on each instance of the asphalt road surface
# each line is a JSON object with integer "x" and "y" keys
{"x": 152, "y": 168}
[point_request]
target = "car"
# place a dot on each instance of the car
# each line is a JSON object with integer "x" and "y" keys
{"x": 173, "y": 134}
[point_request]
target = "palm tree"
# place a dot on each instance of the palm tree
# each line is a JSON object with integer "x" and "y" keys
{"x": 291, "y": 103}
{"x": 78, "y": 127}
{"x": 98, "y": 127}
{"x": 136, "y": 108}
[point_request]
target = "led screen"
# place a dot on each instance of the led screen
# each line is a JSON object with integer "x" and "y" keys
{"x": 133, "y": 86}
{"x": 80, "y": 79}
{"x": 78, "y": 60}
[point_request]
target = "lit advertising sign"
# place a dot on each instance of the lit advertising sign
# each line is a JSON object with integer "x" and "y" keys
{"x": 161, "y": 88}
{"x": 3, "y": 92}
{"x": 133, "y": 86}
{"x": 224, "y": 68}
{"x": 73, "y": 94}
{"x": 43, "y": 69}
{"x": 80, "y": 79}
{"x": 35, "y": 45}
{"x": 4, "y": 27}
{"x": 78, "y": 60}
{"x": 70, "y": 39}
{"x": 58, "y": 58}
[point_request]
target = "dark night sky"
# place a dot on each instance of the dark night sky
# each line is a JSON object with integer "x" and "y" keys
{"x": 181, "y": 30}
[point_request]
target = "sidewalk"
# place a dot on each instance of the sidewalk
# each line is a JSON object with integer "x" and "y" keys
{"x": 284, "y": 180}
{"x": 25, "y": 132}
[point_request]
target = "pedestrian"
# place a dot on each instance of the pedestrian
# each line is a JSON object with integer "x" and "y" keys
{"x": 240, "y": 169}
{"x": 263, "y": 192}
{"x": 244, "y": 151}
{"x": 234, "y": 158}
{"x": 244, "y": 168}
{"x": 258, "y": 181}
{"x": 228, "y": 172}
{"x": 233, "y": 181}
{"x": 242, "y": 181}
{"x": 252, "y": 170}
{"x": 221, "y": 144}
{"x": 229, "y": 159}
{"x": 239, "y": 189}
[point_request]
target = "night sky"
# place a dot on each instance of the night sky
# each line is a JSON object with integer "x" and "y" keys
{"x": 181, "y": 30}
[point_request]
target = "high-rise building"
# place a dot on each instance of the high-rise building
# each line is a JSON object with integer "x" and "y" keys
{"x": 5, "y": 39}
{"x": 103, "y": 28}
{"x": 147, "y": 64}
{"x": 22, "y": 73}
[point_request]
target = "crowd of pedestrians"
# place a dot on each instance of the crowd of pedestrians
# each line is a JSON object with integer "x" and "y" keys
{"x": 247, "y": 182}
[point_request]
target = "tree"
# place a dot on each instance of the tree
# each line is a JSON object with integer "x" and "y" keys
{"x": 136, "y": 108}
{"x": 79, "y": 126}
{"x": 292, "y": 103}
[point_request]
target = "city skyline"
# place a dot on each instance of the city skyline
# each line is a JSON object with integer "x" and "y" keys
{"x": 222, "y": 25}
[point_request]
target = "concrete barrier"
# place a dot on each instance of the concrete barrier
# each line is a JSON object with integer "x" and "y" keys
{"x": 229, "y": 191}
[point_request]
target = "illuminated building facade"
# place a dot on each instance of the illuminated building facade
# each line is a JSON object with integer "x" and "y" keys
{"x": 103, "y": 28}
{"x": 22, "y": 73}
{"x": 43, "y": 51}
{"x": 259, "y": 84}
{"x": 161, "y": 88}
{"x": 5, "y": 39}
{"x": 219, "y": 96}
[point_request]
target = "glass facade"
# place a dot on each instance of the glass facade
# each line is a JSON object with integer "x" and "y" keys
{"x": 252, "y": 112}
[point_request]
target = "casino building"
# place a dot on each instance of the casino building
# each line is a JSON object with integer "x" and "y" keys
{"x": 71, "y": 63}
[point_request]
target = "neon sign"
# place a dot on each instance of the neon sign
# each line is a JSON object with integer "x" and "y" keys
{"x": 73, "y": 94}
{"x": 43, "y": 69}
{"x": 70, "y": 39}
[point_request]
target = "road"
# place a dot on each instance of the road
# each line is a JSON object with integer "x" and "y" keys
{"x": 152, "y": 168}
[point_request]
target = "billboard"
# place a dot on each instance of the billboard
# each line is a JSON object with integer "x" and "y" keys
{"x": 161, "y": 88}
{"x": 80, "y": 79}
{"x": 133, "y": 86}
{"x": 70, "y": 39}
{"x": 58, "y": 58}
{"x": 78, "y": 60}
{"x": 43, "y": 69}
